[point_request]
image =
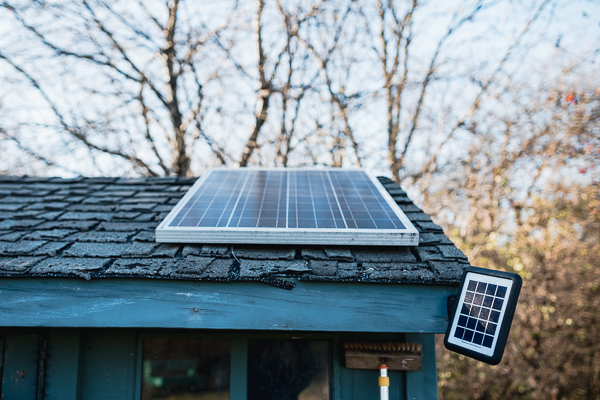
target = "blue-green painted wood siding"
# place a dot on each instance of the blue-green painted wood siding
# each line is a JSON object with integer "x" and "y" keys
{"x": 105, "y": 364}
{"x": 19, "y": 372}
{"x": 310, "y": 306}
{"x": 239, "y": 368}
{"x": 108, "y": 365}
{"x": 62, "y": 375}
{"x": 422, "y": 385}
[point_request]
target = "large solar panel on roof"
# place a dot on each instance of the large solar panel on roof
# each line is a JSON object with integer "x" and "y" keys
{"x": 288, "y": 206}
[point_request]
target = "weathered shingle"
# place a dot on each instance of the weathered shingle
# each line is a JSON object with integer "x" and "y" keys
{"x": 21, "y": 248}
{"x": 70, "y": 266}
{"x": 18, "y": 265}
{"x": 84, "y": 249}
{"x": 323, "y": 268}
{"x": 11, "y": 207}
{"x": 87, "y": 216}
{"x": 398, "y": 255}
{"x": 10, "y": 236}
{"x": 102, "y": 236}
{"x": 80, "y": 225}
{"x": 204, "y": 250}
{"x": 50, "y": 234}
{"x": 19, "y": 223}
{"x": 266, "y": 253}
{"x": 451, "y": 252}
{"x": 260, "y": 268}
{"x": 429, "y": 253}
{"x": 127, "y": 226}
{"x": 398, "y": 271}
{"x": 51, "y": 249}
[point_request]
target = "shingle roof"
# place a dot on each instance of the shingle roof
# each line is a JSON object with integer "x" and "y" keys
{"x": 104, "y": 227}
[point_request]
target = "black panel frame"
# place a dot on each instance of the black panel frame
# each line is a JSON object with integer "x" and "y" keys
{"x": 505, "y": 324}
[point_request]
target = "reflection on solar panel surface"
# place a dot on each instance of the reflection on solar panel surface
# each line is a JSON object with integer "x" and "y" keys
{"x": 480, "y": 313}
{"x": 290, "y": 201}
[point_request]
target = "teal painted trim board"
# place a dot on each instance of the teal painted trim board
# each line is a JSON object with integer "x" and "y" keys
{"x": 146, "y": 303}
{"x": 422, "y": 385}
{"x": 19, "y": 373}
{"x": 62, "y": 375}
{"x": 238, "y": 388}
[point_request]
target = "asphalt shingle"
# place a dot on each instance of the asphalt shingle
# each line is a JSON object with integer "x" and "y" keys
{"x": 11, "y": 207}
{"x": 260, "y": 268}
{"x": 18, "y": 265}
{"x": 19, "y": 223}
{"x": 87, "y": 216}
{"x": 429, "y": 253}
{"x": 451, "y": 252}
{"x": 70, "y": 266}
{"x": 102, "y": 237}
{"x": 13, "y": 236}
{"x": 85, "y": 249}
{"x": 23, "y": 247}
{"x": 51, "y": 234}
{"x": 400, "y": 255}
{"x": 198, "y": 250}
{"x": 266, "y": 253}
{"x": 79, "y": 225}
{"x": 141, "y": 266}
{"x": 51, "y": 249}
{"x": 127, "y": 226}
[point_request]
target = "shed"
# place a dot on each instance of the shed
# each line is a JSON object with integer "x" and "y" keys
{"x": 93, "y": 308}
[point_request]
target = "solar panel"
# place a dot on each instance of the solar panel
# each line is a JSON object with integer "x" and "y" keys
{"x": 288, "y": 206}
{"x": 482, "y": 314}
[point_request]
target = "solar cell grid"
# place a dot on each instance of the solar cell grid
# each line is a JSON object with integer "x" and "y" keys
{"x": 288, "y": 199}
{"x": 481, "y": 318}
{"x": 480, "y": 313}
{"x": 293, "y": 203}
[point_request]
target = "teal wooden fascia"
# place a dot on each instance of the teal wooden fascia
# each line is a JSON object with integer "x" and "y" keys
{"x": 154, "y": 303}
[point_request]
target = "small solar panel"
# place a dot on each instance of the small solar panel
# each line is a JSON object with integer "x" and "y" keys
{"x": 288, "y": 206}
{"x": 482, "y": 314}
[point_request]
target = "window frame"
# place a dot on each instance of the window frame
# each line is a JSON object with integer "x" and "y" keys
{"x": 239, "y": 354}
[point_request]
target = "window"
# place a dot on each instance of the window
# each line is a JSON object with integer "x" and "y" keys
{"x": 190, "y": 369}
{"x": 201, "y": 369}
{"x": 288, "y": 370}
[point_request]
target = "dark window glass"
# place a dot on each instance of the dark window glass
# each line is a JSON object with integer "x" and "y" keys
{"x": 288, "y": 370}
{"x": 190, "y": 369}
